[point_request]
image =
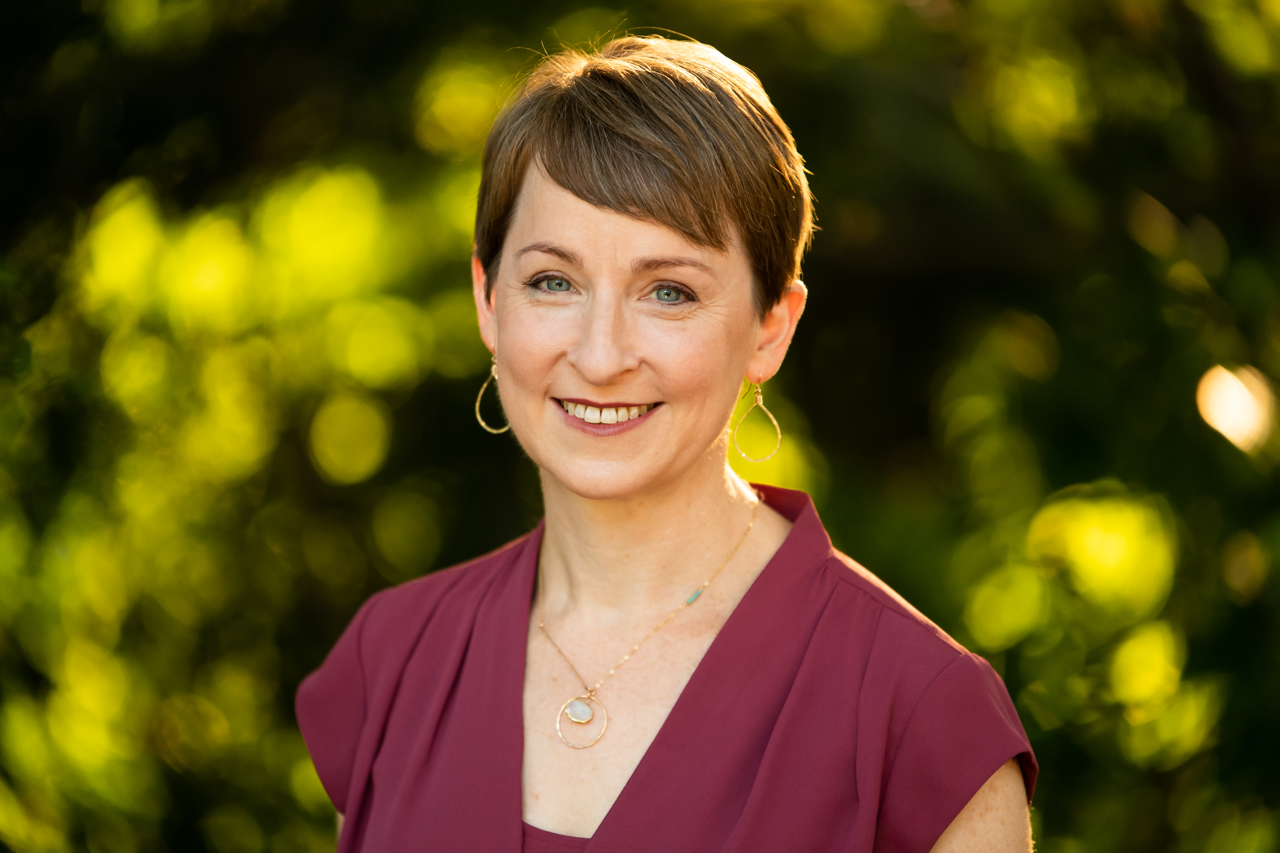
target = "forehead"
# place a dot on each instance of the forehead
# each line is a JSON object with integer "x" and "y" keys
{"x": 546, "y": 212}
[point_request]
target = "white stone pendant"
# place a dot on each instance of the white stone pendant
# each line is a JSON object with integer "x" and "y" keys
{"x": 581, "y": 710}
{"x": 578, "y": 711}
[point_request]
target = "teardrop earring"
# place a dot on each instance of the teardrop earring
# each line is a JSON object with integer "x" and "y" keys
{"x": 759, "y": 403}
{"x": 492, "y": 377}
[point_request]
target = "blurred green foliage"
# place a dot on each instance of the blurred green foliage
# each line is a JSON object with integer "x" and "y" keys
{"x": 1033, "y": 390}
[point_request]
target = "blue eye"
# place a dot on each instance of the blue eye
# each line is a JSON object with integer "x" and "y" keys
{"x": 556, "y": 285}
{"x": 668, "y": 294}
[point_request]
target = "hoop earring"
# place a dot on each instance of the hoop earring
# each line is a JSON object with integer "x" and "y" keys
{"x": 492, "y": 377}
{"x": 759, "y": 403}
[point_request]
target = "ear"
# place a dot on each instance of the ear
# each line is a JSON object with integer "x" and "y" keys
{"x": 485, "y": 314}
{"x": 776, "y": 331}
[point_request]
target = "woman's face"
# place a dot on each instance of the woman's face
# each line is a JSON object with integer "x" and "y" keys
{"x": 620, "y": 345}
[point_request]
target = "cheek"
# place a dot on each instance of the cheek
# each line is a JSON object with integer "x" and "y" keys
{"x": 699, "y": 368}
{"x": 691, "y": 361}
{"x": 529, "y": 344}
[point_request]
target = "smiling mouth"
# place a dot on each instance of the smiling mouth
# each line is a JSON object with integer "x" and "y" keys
{"x": 606, "y": 414}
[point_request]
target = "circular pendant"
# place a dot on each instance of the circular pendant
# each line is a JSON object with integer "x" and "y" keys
{"x": 578, "y": 711}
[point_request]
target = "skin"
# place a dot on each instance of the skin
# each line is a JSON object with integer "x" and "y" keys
{"x": 590, "y": 305}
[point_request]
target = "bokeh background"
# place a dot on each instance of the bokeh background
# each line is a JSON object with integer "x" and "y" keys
{"x": 1033, "y": 389}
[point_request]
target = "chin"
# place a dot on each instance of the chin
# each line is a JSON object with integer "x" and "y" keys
{"x": 617, "y": 468}
{"x": 601, "y": 481}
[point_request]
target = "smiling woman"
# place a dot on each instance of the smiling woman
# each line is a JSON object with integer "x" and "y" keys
{"x": 674, "y": 659}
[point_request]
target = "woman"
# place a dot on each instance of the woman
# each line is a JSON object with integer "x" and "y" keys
{"x": 674, "y": 660}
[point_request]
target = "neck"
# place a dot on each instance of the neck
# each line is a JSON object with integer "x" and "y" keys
{"x": 644, "y": 553}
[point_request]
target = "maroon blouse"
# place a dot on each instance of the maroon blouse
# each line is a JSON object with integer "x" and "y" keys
{"x": 827, "y": 715}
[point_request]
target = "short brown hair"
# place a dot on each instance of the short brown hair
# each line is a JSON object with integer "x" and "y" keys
{"x": 673, "y": 132}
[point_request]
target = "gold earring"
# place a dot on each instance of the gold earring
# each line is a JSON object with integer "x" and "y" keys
{"x": 759, "y": 403}
{"x": 492, "y": 377}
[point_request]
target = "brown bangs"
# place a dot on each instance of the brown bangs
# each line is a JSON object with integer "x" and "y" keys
{"x": 664, "y": 131}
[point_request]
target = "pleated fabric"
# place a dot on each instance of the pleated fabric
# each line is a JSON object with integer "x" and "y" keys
{"x": 827, "y": 715}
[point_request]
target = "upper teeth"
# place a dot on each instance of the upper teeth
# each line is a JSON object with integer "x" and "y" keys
{"x": 592, "y": 415}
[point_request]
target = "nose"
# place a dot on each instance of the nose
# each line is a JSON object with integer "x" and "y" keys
{"x": 603, "y": 351}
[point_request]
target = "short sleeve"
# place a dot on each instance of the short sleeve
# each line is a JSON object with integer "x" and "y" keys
{"x": 331, "y": 709}
{"x": 963, "y": 729}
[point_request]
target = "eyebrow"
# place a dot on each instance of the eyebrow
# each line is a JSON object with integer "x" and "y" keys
{"x": 651, "y": 264}
{"x": 641, "y": 265}
{"x": 567, "y": 255}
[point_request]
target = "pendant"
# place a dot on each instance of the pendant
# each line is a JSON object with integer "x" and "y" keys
{"x": 578, "y": 711}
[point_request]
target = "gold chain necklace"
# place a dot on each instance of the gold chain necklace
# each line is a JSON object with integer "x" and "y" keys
{"x": 578, "y": 709}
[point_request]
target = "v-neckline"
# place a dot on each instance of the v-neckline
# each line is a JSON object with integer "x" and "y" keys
{"x": 807, "y": 540}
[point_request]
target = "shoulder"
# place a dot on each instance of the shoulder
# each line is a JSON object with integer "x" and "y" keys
{"x": 927, "y": 683}
{"x": 392, "y": 619}
{"x": 389, "y": 624}
{"x": 865, "y": 611}
{"x": 454, "y": 585}
{"x": 937, "y": 716}
{"x": 342, "y": 707}
{"x": 912, "y": 670}
{"x": 901, "y": 629}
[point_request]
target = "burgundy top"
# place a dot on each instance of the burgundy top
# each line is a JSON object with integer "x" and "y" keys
{"x": 828, "y": 714}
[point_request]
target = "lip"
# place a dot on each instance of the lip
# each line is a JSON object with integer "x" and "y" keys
{"x": 602, "y": 429}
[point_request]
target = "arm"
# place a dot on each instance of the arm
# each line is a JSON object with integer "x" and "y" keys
{"x": 996, "y": 820}
{"x": 339, "y": 835}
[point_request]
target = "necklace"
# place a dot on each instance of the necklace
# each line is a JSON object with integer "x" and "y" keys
{"x": 578, "y": 710}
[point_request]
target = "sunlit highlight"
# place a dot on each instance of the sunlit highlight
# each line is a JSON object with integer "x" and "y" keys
{"x": 207, "y": 276}
{"x": 1003, "y": 472}
{"x": 349, "y": 438}
{"x": 1146, "y": 667}
{"x": 454, "y": 206}
{"x": 1119, "y": 551}
{"x": 228, "y": 440}
{"x": 122, "y": 247}
{"x": 1026, "y": 343}
{"x": 26, "y": 743}
{"x": 847, "y": 26}
{"x": 1241, "y": 38}
{"x": 1005, "y": 607}
{"x": 230, "y": 827}
{"x": 333, "y": 554}
{"x": 1037, "y": 102}
{"x": 240, "y": 695}
{"x": 148, "y": 25}
{"x": 407, "y": 533}
{"x": 134, "y": 373}
{"x": 15, "y": 548}
{"x": 324, "y": 232}
{"x": 381, "y": 344}
{"x": 1187, "y": 277}
{"x": 455, "y": 105}
{"x": 100, "y": 593}
{"x": 51, "y": 341}
{"x": 1239, "y": 404}
{"x": 1152, "y": 226}
{"x": 459, "y": 352}
{"x": 1245, "y": 566}
{"x": 307, "y": 789}
{"x": 190, "y": 730}
{"x": 1185, "y": 726}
